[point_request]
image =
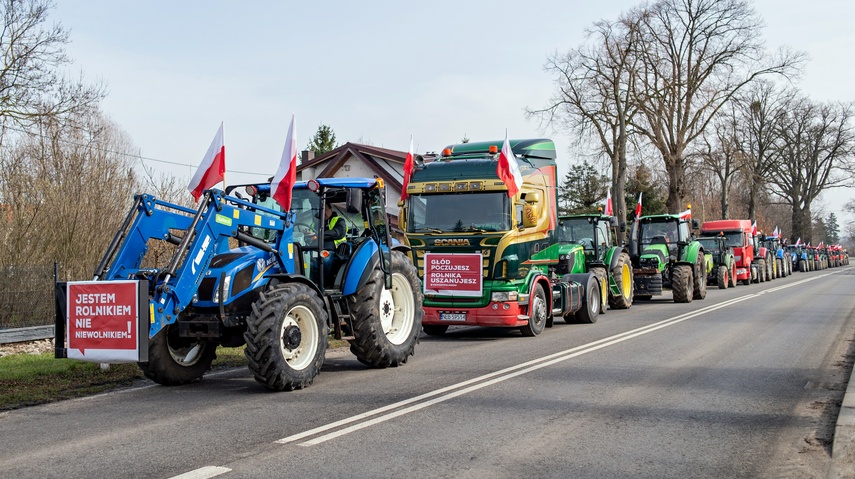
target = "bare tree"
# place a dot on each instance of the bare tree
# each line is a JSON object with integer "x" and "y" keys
{"x": 816, "y": 149}
{"x": 720, "y": 155}
{"x": 31, "y": 83}
{"x": 761, "y": 109}
{"x": 593, "y": 96}
{"x": 694, "y": 56}
{"x": 66, "y": 187}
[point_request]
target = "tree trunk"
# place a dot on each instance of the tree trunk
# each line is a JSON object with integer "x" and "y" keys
{"x": 676, "y": 183}
{"x": 801, "y": 223}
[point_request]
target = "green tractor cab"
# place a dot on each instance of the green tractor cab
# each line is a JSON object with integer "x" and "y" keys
{"x": 664, "y": 254}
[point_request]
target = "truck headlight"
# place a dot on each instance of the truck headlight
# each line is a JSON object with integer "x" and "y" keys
{"x": 504, "y": 296}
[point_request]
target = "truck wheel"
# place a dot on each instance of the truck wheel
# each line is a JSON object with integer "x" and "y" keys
{"x": 733, "y": 274}
{"x": 721, "y": 277}
{"x": 604, "y": 287}
{"x": 286, "y": 337}
{"x": 622, "y": 274}
{"x": 590, "y": 305}
{"x": 386, "y": 322}
{"x": 699, "y": 279}
{"x": 681, "y": 283}
{"x": 435, "y": 329}
{"x": 538, "y": 312}
{"x": 173, "y": 360}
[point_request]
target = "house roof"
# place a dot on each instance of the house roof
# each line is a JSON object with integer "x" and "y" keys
{"x": 385, "y": 163}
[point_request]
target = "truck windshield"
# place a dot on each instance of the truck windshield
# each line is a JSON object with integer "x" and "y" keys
{"x": 463, "y": 212}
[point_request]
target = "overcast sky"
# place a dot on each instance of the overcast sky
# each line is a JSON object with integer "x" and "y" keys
{"x": 376, "y": 72}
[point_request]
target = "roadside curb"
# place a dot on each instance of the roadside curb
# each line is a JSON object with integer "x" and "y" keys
{"x": 843, "y": 448}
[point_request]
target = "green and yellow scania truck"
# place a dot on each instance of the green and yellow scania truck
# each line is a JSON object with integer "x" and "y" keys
{"x": 484, "y": 257}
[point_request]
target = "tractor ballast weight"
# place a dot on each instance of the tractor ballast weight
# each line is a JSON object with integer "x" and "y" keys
{"x": 665, "y": 255}
{"x": 242, "y": 272}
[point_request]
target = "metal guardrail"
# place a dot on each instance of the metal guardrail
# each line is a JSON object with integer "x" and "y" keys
{"x": 32, "y": 333}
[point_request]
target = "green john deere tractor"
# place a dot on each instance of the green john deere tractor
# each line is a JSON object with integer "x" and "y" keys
{"x": 665, "y": 255}
{"x": 589, "y": 239}
{"x": 721, "y": 265}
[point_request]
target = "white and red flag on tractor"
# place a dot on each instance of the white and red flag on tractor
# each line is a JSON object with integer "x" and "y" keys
{"x": 776, "y": 232}
{"x": 799, "y": 241}
{"x": 212, "y": 170}
{"x": 408, "y": 170}
{"x": 820, "y": 244}
{"x": 754, "y": 228}
{"x": 638, "y": 206}
{"x": 508, "y": 169}
{"x": 286, "y": 174}
{"x": 684, "y": 215}
{"x": 608, "y": 210}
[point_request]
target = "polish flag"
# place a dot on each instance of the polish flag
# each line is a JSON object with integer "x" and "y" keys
{"x": 775, "y": 233}
{"x": 609, "y": 211}
{"x": 286, "y": 174}
{"x": 799, "y": 241}
{"x": 754, "y": 228}
{"x": 508, "y": 169}
{"x": 638, "y": 207}
{"x": 684, "y": 215}
{"x": 212, "y": 170}
{"x": 408, "y": 170}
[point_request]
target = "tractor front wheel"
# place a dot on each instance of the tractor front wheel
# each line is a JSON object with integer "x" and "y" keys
{"x": 387, "y": 322}
{"x": 173, "y": 360}
{"x": 286, "y": 337}
{"x": 721, "y": 277}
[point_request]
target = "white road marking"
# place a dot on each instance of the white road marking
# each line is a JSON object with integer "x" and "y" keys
{"x": 203, "y": 473}
{"x": 449, "y": 392}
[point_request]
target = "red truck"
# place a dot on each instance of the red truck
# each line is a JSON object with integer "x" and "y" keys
{"x": 740, "y": 236}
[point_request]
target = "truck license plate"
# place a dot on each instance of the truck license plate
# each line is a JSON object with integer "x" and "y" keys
{"x": 449, "y": 316}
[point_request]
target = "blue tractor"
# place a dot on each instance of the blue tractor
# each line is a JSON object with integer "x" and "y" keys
{"x": 243, "y": 272}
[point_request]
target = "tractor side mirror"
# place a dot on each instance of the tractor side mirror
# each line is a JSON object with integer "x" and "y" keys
{"x": 695, "y": 224}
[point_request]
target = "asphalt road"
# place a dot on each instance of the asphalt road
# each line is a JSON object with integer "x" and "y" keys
{"x": 741, "y": 384}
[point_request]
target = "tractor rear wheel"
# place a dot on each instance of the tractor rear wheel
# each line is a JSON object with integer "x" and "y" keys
{"x": 622, "y": 274}
{"x": 286, "y": 337}
{"x": 721, "y": 277}
{"x": 761, "y": 271}
{"x": 538, "y": 313}
{"x": 387, "y": 322}
{"x": 173, "y": 360}
{"x": 681, "y": 283}
{"x": 699, "y": 279}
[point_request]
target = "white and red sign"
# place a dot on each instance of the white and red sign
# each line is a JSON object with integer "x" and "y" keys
{"x": 453, "y": 274}
{"x": 103, "y": 321}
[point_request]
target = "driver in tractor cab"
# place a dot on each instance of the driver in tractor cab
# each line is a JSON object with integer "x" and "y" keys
{"x": 335, "y": 231}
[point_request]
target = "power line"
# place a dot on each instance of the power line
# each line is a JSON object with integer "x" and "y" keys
{"x": 130, "y": 155}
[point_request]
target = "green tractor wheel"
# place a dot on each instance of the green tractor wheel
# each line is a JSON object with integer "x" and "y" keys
{"x": 622, "y": 274}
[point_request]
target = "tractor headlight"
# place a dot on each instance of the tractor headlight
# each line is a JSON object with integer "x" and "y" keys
{"x": 227, "y": 282}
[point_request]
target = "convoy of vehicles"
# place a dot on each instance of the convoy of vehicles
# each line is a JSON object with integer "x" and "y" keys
{"x": 243, "y": 272}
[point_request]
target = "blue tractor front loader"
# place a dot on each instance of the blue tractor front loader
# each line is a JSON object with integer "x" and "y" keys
{"x": 242, "y": 272}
